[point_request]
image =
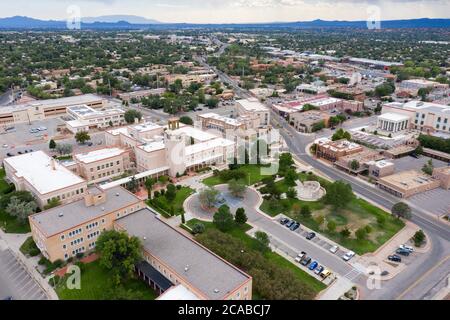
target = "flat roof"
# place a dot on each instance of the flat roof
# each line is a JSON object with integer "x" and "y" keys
{"x": 43, "y": 172}
{"x": 408, "y": 180}
{"x": 74, "y": 214}
{"x": 252, "y": 105}
{"x": 98, "y": 155}
{"x": 393, "y": 117}
{"x": 178, "y": 293}
{"x": 153, "y": 146}
{"x": 199, "y": 147}
{"x": 227, "y": 120}
{"x": 201, "y": 268}
{"x": 195, "y": 133}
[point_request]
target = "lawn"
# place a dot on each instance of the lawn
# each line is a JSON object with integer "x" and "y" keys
{"x": 96, "y": 282}
{"x": 8, "y": 223}
{"x": 253, "y": 176}
{"x": 358, "y": 214}
{"x": 161, "y": 202}
{"x": 240, "y": 233}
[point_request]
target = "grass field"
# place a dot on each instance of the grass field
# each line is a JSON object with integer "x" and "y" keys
{"x": 96, "y": 282}
{"x": 240, "y": 233}
{"x": 358, "y": 214}
{"x": 253, "y": 176}
{"x": 162, "y": 203}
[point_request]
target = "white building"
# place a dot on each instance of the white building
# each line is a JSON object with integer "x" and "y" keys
{"x": 86, "y": 118}
{"x": 253, "y": 107}
{"x": 393, "y": 122}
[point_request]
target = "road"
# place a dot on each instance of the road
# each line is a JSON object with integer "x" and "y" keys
{"x": 418, "y": 273}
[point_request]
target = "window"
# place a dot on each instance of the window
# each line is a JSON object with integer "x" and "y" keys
{"x": 62, "y": 237}
{"x": 118, "y": 162}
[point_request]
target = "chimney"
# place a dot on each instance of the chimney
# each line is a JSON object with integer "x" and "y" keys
{"x": 53, "y": 164}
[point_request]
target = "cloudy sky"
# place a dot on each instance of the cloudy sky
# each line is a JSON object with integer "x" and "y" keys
{"x": 229, "y": 11}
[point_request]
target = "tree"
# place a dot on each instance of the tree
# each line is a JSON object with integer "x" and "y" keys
{"x": 52, "y": 145}
{"x": 240, "y": 217}
{"x": 306, "y": 211}
{"x": 401, "y": 210}
{"x": 55, "y": 202}
{"x": 339, "y": 194}
{"x": 262, "y": 240}
{"x": 119, "y": 253}
{"x": 208, "y": 197}
{"x": 296, "y": 209}
{"x": 149, "y": 183}
{"x": 354, "y": 165}
{"x": 320, "y": 220}
{"x": 345, "y": 233}
{"x": 20, "y": 209}
{"x": 223, "y": 219}
{"x": 212, "y": 102}
{"x": 291, "y": 177}
{"x": 82, "y": 137}
{"x": 171, "y": 192}
{"x": 292, "y": 193}
{"x": 133, "y": 185}
{"x": 187, "y": 120}
{"x": 428, "y": 167}
{"x": 419, "y": 238}
{"x": 237, "y": 188}
{"x": 361, "y": 233}
{"x": 331, "y": 226}
{"x": 131, "y": 116}
{"x": 198, "y": 228}
{"x": 64, "y": 149}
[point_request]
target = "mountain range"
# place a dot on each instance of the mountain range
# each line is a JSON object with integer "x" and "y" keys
{"x": 121, "y": 22}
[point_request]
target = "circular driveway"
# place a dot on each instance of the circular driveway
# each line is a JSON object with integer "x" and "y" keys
{"x": 250, "y": 201}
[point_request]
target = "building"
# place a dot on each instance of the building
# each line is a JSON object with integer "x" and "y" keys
{"x": 353, "y": 93}
{"x": 65, "y": 231}
{"x": 103, "y": 164}
{"x": 252, "y": 107}
{"x": 334, "y": 150}
{"x": 443, "y": 174}
{"x": 305, "y": 121}
{"x": 408, "y": 183}
{"x": 213, "y": 121}
{"x": 427, "y": 117}
{"x": 381, "y": 169}
{"x": 393, "y": 122}
{"x": 182, "y": 261}
{"x": 44, "y": 177}
{"x": 413, "y": 86}
{"x": 86, "y": 118}
{"x": 363, "y": 159}
{"x": 42, "y": 109}
{"x": 138, "y": 95}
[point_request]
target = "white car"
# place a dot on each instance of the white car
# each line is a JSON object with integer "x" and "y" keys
{"x": 407, "y": 248}
{"x": 5, "y": 146}
{"x": 300, "y": 257}
{"x": 348, "y": 256}
{"x": 334, "y": 249}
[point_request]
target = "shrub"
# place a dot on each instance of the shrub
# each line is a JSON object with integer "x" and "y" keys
{"x": 419, "y": 238}
{"x": 198, "y": 228}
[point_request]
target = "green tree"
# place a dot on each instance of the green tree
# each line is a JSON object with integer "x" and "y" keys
{"x": 419, "y": 238}
{"x": 55, "y": 202}
{"x": 131, "y": 116}
{"x": 20, "y": 209}
{"x": 149, "y": 183}
{"x": 361, "y": 233}
{"x": 171, "y": 192}
{"x": 82, "y": 137}
{"x": 64, "y": 149}
{"x": 331, "y": 226}
{"x": 198, "y": 228}
{"x": 263, "y": 241}
{"x": 339, "y": 194}
{"x": 345, "y": 233}
{"x": 208, "y": 197}
{"x": 401, "y": 210}
{"x": 240, "y": 217}
{"x": 428, "y": 167}
{"x": 223, "y": 219}
{"x": 306, "y": 211}
{"x": 354, "y": 165}
{"x": 291, "y": 177}
{"x": 187, "y": 120}
{"x": 133, "y": 185}
{"x": 52, "y": 145}
{"x": 119, "y": 253}
{"x": 237, "y": 188}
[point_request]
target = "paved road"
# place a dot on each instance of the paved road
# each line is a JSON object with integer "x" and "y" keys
{"x": 15, "y": 281}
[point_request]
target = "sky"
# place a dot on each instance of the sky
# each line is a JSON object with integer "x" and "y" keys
{"x": 232, "y": 11}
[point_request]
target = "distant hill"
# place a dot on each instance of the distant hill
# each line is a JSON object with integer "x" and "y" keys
{"x": 117, "y": 18}
{"x": 128, "y": 22}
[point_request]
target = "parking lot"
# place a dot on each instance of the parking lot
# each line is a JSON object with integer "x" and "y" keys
{"x": 15, "y": 282}
{"x": 434, "y": 201}
{"x": 412, "y": 163}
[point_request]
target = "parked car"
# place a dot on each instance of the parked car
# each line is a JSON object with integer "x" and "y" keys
{"x": 5, "y": 146}
{"x": 295, "y": 227}
{"x": 284, "y": 221}
{"x": 300, "y": 256}
{"x": 319, "y": 270}
{"x": 414, "y": 155}
{"x": 334, "y": 249}
{"x": 90, "y": 144}
{"x": 20, "y": 152}
{"x": 395, "y": 258}
{"x": 310, "y": 236}
{"x": 290, "y": 224}
{"x": 325, "y": 274}
{"x": 9, "y": 154}
{"x": 407, "y": 248}
{"x": 348, "y": 256}
{"x": 313, "y": 265}
{"x": 305, "y": 261}
{"x": 402, "y": 252}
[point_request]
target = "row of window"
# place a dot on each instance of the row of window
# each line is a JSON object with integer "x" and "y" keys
{"x": 67, "y": 195}
{"x": 76, "y": 242}
{"x": 106, "y": 174}
{"x": 93, "y": 235}
{"x": 73, "y": 233}
{"x": 105, "y": 166}
{"x": 92, "y": 225}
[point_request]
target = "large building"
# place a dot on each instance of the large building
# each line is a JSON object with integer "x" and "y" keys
{"x": 85, "y": 118}
{"x": 335, "y": 150}
{"x": 252, "y": 107}
{"x": 42, "y": 109}
{"x": 424, "y": 116}
{"x": 393, "y": 122}
{"x": 44, "y": 177}
{"x": 443, "y": 174}
{"x": 412, "y": 86}
{"x": 305, "y": 121}
{"x": 102, "y": 164}
{"x": 65, "y": 231}
{"x": 408, "y": 183}
{"x": 183, "y": 262}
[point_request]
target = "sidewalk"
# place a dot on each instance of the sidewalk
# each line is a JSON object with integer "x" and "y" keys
{"x": 13, "y": 242}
